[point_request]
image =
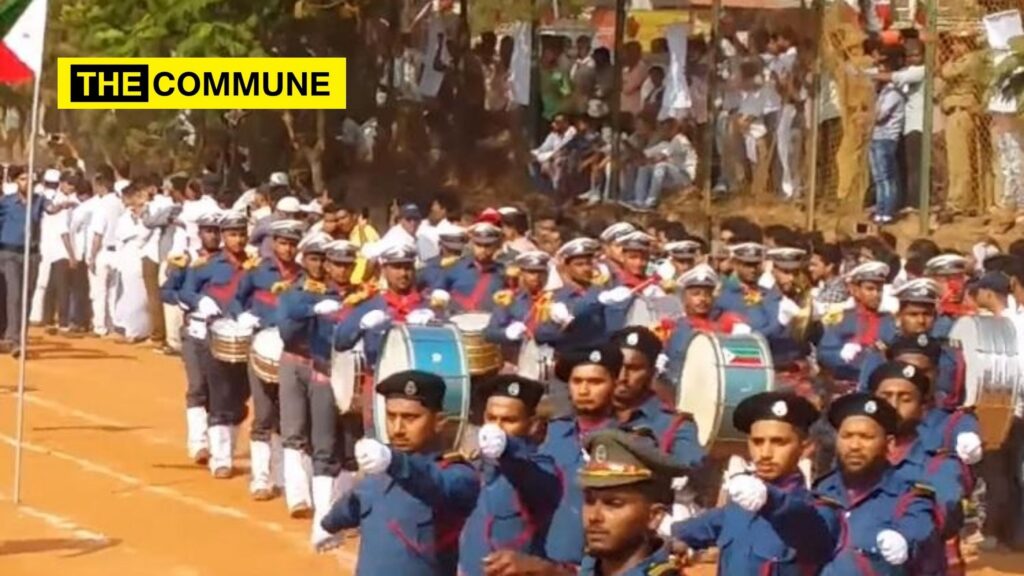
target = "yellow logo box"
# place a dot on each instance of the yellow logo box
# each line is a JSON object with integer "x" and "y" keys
{"x": 200, "y": 83}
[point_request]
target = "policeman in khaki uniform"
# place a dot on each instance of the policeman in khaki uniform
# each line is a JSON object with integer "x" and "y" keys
{"x": 255, "y": 306}
{"x": 194, "y": 349}
{"x": 958, "y": 99}
{"x": 414, "y": 498}
{"x": 452, "y": 241}
{"x": 209, "y": 291}
{"x": 772, "y": 524}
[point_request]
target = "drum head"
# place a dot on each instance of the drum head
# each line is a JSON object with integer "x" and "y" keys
{"x": 346, "y": 368}
{"x": 268, "y": 344}
{"x": 700, "y": 390}
{"x": 966, "y": 336}
{"x": 471, "y": 321}
{"x": 640, "y": 313}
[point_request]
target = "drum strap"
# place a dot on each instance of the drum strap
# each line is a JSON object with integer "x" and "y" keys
{"x": 529, "y": 528}
{"x": 223, "y": 293}
{"x": 959, "y": 380}
{"x": 869, "y": 324}
{"x": 471, "y": 302}
{"x": 668, "y": 438}
{"x": 400, "y": 306}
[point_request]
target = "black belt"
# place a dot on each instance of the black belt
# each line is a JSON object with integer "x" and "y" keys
{"x": 110, "y": 248}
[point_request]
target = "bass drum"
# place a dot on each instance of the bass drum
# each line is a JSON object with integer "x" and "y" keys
{"x": 434, "y": 349}
{"x": 536, "y": 361}
{"x": 719, "y": 372}
{"x": 653, "y": 312}
{"x": 347, "y": 371}
{"x": 993, "y": 372}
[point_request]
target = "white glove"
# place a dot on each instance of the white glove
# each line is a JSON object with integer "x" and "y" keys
{"x": 653, "y": 291}
{"x": 679, "y": 482}
{"x": 615, "y": 296}
{"x": 748, "y": 492}
{"x": 248, "y": 320}
{"x": 322, "y": 540}
{"x": 196, "y": 329}
{"x": 968, "y": 448}
{"x": 787, "y": 311}
{"x": 373, "y": 319}
{"x": 741, "y": 329}
{"x": 440, "y": 298}
{"x": 492, "y": 440}
{"x": 207, "y": 307}
{"x": 515, "y": 331}
{"x": 661, "y": 364}
{"x": 372, "y": 456}
{"x": 666, "y": 270}
{"x": 328, "y": 306}
{"x": 850, "y": 351}
{"x": 560, "y": 314}
{"x": 892, "y": 546}
{"x": 419, "y": 317}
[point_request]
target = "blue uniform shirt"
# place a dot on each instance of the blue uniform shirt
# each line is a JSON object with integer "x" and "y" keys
{"x": 410, "y": 517}
{"x": 940, "y": 427}
{"x": 793, "y": 534}
{"x": 657, "y": 564}
{"x": 894, "y": 503}
{"x": 785, "y": 349}
{"x": 217, "y": 278}
{"x": 518, "y": 498}
{"x": 749, "y": 304}
{"x": 948, "y": 376}
{"x": 431, "y": 275}
{"x": 521, "y": 306}
{"x": 13, "y": 211}
{"x": 177, "y": 268}
{"x": 588, "y": 327}
{"x": 472, "y": 286}
{"x": 564, "y": 443}
{"x": 676, "y": 433}
{"x": 304, "y": 332}
{"x": 615, "y": 314}
{"x": 858, "y": 326}
{"x": 260, "y": 287}
{"x": 348, "y": 331}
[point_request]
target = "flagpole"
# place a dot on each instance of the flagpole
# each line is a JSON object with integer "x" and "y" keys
{"x": 25, "y": 272}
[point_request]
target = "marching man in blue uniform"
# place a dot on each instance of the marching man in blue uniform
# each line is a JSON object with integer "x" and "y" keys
{"x": 590, "y": 374}
{"x": 306, "y": 317}
{"x": 887, "y": 518}
{"x": 682, "y": 256}
{"x": 847, "y": 335}
{"x": 772, "y": 523}
{"x": 907, "y": 388}
{"x": 209, "y": 293}
{"x": 469, "y": 285}
{"x": 577, "y": 308}
{"x": 631, "y": 279}
{"x": 371, "y": 316}
{"x": 637, "y": 405}
{"x": 949, "y": 271}
{"x": 610, "y": 262}
{"x": 452, "y": 241}
{"x": 700, "y": 315}
{"x": 742, "y": 295}
{"x": 255, "y": 307}
{"x": 525, "y": 312}
{"x": 789, "y": 356}
{"x": 414, "y": 499}
{"x": 520, "y": 487}
{"x": 194, "y": 350}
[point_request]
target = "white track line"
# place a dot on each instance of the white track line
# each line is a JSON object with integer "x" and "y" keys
{"x": 61, "y": 524}
{"x": 346, "y": 559}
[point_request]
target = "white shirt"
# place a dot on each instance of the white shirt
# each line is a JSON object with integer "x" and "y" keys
{"x": 191, "y": 210}
{"x": 104, "y": 219}
{"x": 158, "y": 240}
{"x": 81, "y": 218}
{"x": 52, "y": 229}
{"x": 428, "y": 240}
{"x": 911, "y": 81}
{"x": 552, "y": 144}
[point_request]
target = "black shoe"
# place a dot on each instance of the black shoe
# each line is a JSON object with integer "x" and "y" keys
{"x": 16, "y": 352}
{"x": 51, "y": 330}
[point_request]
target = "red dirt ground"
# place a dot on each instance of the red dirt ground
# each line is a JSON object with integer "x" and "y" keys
{"x": 108, "y": 489}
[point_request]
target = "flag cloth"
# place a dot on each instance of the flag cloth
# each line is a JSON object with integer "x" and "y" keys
{"x": 22, "y": 26}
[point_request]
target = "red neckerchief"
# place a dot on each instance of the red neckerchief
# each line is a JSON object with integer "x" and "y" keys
{"x": 702, "y": 324}
{"x": 628, "y": 279}
{"x": 952, "y": 301}
{"x": 235, "y": 262}
{"x": 538, "y": 301}
{"x": 869, "y": 322}
{"x": 400, "y": 306}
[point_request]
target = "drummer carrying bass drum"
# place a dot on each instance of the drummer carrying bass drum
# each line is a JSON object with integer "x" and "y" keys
{"x": 307, "y": 316}
{"x": 255, "y": 307}
{"x": 525, "y": 312}
{"x": 209, "y": 291}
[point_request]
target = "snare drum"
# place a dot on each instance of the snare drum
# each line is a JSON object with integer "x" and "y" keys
{"x": 652, "y": 311}
{"x": 230, "y": 341}
{"x": 265, "y": 357}
{"x": 483, "y": 356}
{"x": 718, "y": 373}
{"x": 347, "y": 370}
{"x": 536, "y": 361}
{"x": 434, "y": 349}
{"x": 993, "y": 372}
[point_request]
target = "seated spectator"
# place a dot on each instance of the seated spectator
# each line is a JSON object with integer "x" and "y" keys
{"x": 670, "y": 163}
{"x": 547, "y": 160}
